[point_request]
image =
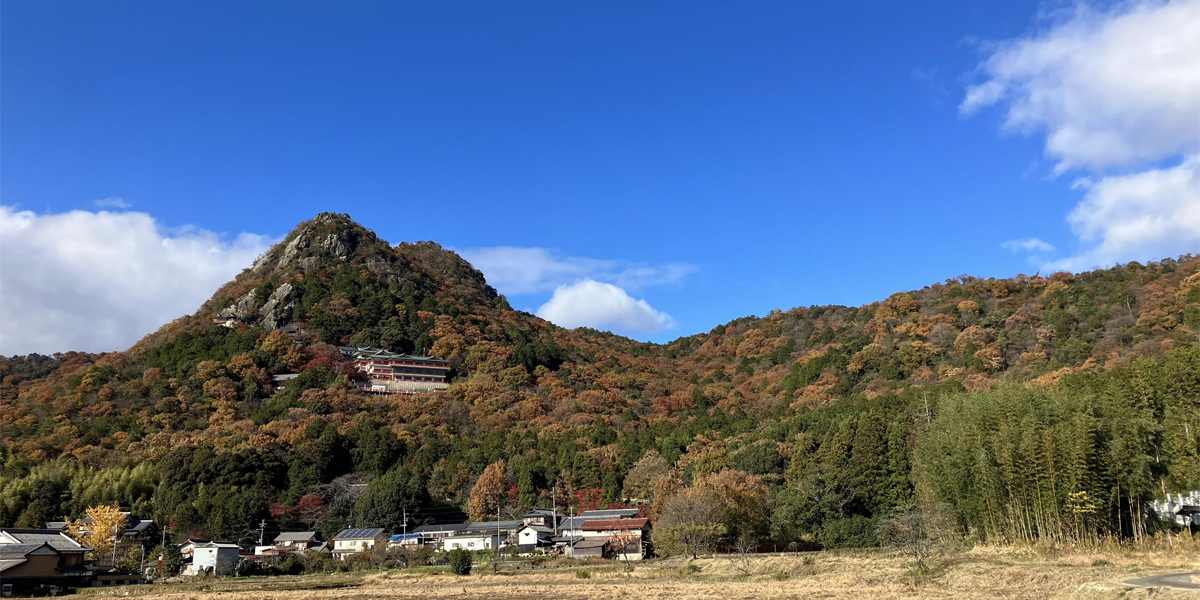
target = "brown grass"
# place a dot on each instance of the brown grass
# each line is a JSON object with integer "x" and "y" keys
{"x": 1010, "y": 572}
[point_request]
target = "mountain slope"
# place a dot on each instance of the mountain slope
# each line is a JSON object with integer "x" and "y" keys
{"x": 576, "y": 407}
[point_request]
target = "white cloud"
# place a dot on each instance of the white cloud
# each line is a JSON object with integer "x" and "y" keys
{"x": 515, "y": 270}
{"x": 590, "y": 303}
{"x": 1112, "y": 88}
{"x": 1148, "y": 215}
{"x": 112, "y": 202}
{"x": 1117, "y": 92}
{"x": 1029, "y": 245}
{"x": 100, "y": 281}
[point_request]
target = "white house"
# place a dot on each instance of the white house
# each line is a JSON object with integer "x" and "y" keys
{"x": 473, "y": 541}
{"x": 531, "y": 537}
{"x": 350, "y": 541}
{"x": 219, "y": 558}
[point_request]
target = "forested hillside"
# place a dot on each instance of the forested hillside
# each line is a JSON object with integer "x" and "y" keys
{"x": 1033, "y": 406}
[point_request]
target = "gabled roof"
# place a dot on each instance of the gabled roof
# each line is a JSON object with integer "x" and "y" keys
{"x": 571, "y": 523}
{"x": 359, "y": 534}
{"x": 444, "y": 528}
{"x": 398, "y": 538}
{"x": 139, "y": 526}
{"x": 57, "y": 539}
{"x": 614, "y": 524}
{"x": 296, "y": 536}
{"x": 14, "y": 551}
{"x": 611, "y": 513}
{"x": 492, "y": 526}
{"x": 218, "y": 545}
{"x": 8, "y": 563}
{"x": 538, "y": 528}
{"x": 585, "y": 543}
{"x": 367, "y": 353}
{"x": 540, "y": 512}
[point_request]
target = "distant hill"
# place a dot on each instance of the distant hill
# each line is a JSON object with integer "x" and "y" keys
{"x": 526, "y": 390}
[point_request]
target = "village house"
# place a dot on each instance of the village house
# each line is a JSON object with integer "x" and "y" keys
{"x": 571, "y": 528}
{"x": 634, "y": 532}
{"x": 404, "y": 540}
{"x": 532, "y": 537}
{"x": 350, "y": 541}
{"x": 542, "y": 517}
{"x": 296, "y": 540}
{"x": 136, "y": 530}
{"x": 25, "y": 563}
{"x": 433, "y": 535}
{"x": 187, "y": 546}
{"x": 218, "y": 558}
{"x": 473, "y": 541}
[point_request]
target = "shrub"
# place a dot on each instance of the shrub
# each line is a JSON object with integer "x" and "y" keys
{"x": 852, "y": 532}
{"x": 582, "y": 574}
{"x": 460, "y": 561}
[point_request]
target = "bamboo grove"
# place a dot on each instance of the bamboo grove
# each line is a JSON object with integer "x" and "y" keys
{"x": 1074, "y": 462}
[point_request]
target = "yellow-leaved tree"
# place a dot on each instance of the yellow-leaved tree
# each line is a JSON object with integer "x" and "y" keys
{"x": 99, "y": 528}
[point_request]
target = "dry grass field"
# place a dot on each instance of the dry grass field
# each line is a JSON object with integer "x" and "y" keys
{"x": 861, "y": 575}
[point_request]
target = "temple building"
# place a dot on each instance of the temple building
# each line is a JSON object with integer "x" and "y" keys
{"x": 382, "y": 371}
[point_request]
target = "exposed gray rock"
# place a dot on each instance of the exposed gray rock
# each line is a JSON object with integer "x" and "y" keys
{"x": 293, "y": 248}
{"x": 308, "y": 263}
{"x": 379, "y": 266}
{"x": 243, "y": 308}
{"x": 336, "y": 244}
{"x": 260, "y": 265}
{"x": 274, "y": 312}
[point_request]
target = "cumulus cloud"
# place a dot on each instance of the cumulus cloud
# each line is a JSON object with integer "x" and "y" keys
{"x": 590, "y": 303}
{"x": 1117, "y": 93}
{"x": 1109, "y": 88}
{"x": 1151, "y": 214}
{"x": 516, "y": 270}
{"x": 1029, "y": 245}
{"x": 99, "y": 281}
{"x": 112, "y": 202}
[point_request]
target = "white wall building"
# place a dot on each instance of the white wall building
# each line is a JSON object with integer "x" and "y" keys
{"x": 219, "y": 558}
{"x": 473, "y": 541}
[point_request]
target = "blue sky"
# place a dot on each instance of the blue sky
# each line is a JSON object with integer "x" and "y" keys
{"x": 713, "y": 159}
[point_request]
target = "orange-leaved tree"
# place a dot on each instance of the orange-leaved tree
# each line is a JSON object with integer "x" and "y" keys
{"x": 490, "y": 491}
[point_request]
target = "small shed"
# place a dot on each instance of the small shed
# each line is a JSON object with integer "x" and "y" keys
{"x": 589, "y": 548}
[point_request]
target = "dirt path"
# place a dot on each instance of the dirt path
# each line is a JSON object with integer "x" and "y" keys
{"x": 1175, "y": 581}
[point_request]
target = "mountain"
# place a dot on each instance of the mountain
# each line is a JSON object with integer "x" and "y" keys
{"x": 775, "y": 397}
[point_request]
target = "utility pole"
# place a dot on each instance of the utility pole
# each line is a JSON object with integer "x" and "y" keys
{"x": 116, "y": 537}
{"x": 554, "y": 507}
{"x": 262, "y": 528}
{"x": 497, "y": 539}
{"x": 404, "y": 537}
